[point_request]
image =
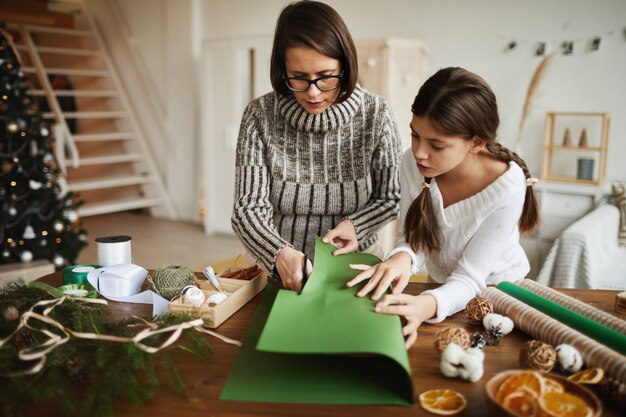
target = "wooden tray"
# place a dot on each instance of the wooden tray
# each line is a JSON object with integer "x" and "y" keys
{"x": 240, "y": 291}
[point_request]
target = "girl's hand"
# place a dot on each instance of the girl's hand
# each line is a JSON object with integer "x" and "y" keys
{"x": 395, "y": 270}
{"x": 343, "y": 236}
{"x": 289, "y": 266}
{"x": 415, "y": 309}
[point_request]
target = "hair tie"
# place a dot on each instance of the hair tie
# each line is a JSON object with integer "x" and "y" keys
{"x": 425, "y": 184}
{"x": 530, "y": 182}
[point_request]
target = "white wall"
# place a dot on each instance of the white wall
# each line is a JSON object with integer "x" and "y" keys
{"x": 165, "y": 34}
{"x": 472, "y": 34}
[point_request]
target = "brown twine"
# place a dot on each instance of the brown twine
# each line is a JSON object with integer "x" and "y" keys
{"x": 477, "y": 308}
{"x": 40, "y": 352}
{"x": 449, "y": 335}
{"x": 535, "y": 354}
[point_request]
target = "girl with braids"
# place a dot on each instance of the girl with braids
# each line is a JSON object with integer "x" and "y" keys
{"x": 465, "y": 200}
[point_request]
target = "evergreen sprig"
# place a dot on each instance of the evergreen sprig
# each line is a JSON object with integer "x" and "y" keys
{"x": 87, "y": 377}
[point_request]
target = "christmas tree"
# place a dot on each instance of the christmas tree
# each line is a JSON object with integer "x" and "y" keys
{"x": 38, "y": 217}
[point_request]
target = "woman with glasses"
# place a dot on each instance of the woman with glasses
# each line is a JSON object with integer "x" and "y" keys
{"x": 318, "y": 156}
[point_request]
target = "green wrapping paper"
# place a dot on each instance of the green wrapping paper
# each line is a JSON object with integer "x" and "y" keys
{"x": 325, "y": 346}
{"x": 596, "y": 331}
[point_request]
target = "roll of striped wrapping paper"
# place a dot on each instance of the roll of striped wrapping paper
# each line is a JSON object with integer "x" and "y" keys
{"x": 575, "y": 305}
{"x": 596, "y": 331}
{"x": 542, "y": 327}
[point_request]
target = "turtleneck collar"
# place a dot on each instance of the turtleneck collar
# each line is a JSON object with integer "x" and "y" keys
{"x": 331, "y": 119}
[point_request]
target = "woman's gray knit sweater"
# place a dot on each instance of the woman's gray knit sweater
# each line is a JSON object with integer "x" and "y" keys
{"x": 298, "y": 174}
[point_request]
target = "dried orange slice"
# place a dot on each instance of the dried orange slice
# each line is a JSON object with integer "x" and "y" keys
{"x": 562, "y": 404}
{"x": 444, "y": 402}
{"x": 522, "y": 402}
{"x": 588, "y": 376}
{"x": 552, "y": 386}
{"x": 529, "y": 379}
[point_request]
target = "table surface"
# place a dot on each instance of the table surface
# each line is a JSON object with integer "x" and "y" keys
{"x": 205, "y": 379}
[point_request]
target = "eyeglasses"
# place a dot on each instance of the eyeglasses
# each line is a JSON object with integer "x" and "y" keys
{"x": 323, "y": 83}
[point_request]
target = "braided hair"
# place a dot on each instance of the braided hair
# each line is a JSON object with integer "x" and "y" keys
{"x": 460, "y": 103}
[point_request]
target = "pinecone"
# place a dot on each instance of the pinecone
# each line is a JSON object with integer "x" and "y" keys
{"x": 75, "y": 371}
{"x": 478, "y": 340}
{"x": 23, "y": 340}
{"x": 493, "y": 336}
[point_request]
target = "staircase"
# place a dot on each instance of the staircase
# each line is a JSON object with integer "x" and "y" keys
{"x": 99, "y": 143}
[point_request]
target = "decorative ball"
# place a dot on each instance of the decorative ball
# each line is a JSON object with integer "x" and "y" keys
{"x": 34, "y": 185}
{"x": 11, "y": 313}
{"x": 43, "y": 242}
{"x": 71, "y": 215}
{"x": 569, "y": 359}
{"x": 452, "y": 335}
{"x": 58, "y": 226}
{"x": 12, "y": 211}
{"x": 7, "y": 167}
{"x": 535, "y": 354}
{"x": 476, "y": 309}
{"x": 58, "y": 260}
{"x": 26, "y": 256}
{"x": 6, "y": 253}
{"x": 44, "y": 131}
{"x": 12, "y": 127}
{"x": 82, "y": 237}
{"x": 169, "y": 280}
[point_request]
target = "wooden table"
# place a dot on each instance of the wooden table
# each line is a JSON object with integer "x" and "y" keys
{"x": 205, "y": 379}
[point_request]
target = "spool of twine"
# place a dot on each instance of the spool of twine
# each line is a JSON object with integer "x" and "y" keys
{"x": 535, "y": 354}
{"x": 169, "y": 280}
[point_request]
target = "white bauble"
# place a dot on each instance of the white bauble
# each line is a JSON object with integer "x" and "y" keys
{"x": 26, "y": 256}
{"x": 58, "y": 260}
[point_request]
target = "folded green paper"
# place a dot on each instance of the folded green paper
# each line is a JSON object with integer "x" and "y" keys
{"x": 323, "y": 346}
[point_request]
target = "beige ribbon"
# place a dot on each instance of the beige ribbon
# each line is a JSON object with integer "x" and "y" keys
{"x": 40, "y": 352}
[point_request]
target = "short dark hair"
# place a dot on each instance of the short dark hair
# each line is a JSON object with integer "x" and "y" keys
{"x": 318, "y": 26}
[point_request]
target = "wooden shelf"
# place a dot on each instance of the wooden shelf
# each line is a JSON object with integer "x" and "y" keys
{"x": 585, "y": 121}
{"x": 577, "y": 148}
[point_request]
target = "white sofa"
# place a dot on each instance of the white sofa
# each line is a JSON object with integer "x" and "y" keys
{"x": 587, "y": 254}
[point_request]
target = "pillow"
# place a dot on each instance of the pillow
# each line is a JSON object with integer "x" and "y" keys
{"x": 619, "y": 198}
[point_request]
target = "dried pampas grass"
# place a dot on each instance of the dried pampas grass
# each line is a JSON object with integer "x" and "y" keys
{"x": 531, "y": 93}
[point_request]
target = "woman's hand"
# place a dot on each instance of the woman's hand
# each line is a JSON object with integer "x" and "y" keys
{"x": 395, "y": 270}
{"x": 415, "y": 309}
{"x": 289, "y": 266}
{"x": 343, "y": 236}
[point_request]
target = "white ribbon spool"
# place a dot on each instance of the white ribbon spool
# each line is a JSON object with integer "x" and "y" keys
{"x": 114, "y": 250}
{"x": 123, "y": 283}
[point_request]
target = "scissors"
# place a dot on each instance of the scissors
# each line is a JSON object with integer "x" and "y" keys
{"x": 305, "y": 278}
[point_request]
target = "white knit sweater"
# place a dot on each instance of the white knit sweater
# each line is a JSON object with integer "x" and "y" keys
{"x": 299, "y": 174}
{"x": 479, "y": 236}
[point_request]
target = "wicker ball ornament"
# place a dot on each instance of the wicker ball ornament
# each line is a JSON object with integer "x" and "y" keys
{"x": 476, "y": 309}
{"x": 452, "y": 335}
{"x": 535, "y": 354}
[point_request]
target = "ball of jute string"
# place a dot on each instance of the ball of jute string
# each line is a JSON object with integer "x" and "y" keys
{"x": 536, "y": 354}
{"x": 452, "y": 335}
{"x": 169, "y": 280}
{"x": 476, "y": 309}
